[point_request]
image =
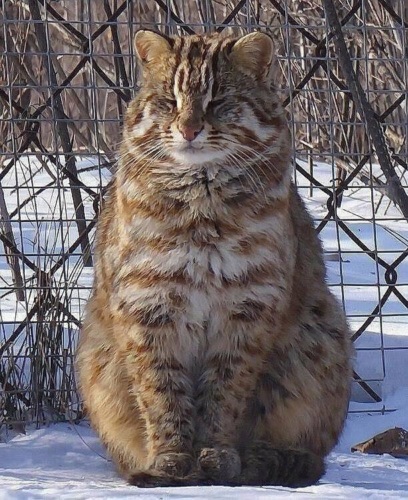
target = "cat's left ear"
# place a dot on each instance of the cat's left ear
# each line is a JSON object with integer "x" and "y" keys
{"x": 254, "y": 55}
{"x": 151, "y": 47}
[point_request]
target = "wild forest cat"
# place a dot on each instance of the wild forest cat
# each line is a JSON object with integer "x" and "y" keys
{"x": 212, "y": 350}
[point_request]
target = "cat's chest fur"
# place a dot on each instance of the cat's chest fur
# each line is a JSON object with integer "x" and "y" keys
{"x": 221, "y": 273}
{"x": 207, "y": 256}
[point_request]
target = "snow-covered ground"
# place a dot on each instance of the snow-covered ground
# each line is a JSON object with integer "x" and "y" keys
{"x": 66, "y": 461}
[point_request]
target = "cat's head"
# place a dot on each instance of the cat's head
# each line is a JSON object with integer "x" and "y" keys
{"x": 206, "y": 99}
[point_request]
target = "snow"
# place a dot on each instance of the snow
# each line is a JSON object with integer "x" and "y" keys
{"x": 67, "y": 460}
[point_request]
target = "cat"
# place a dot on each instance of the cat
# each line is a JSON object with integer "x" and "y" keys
{"x": 212, "y": 351}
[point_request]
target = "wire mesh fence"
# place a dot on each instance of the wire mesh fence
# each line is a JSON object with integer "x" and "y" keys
{"x": 67, "y": 71}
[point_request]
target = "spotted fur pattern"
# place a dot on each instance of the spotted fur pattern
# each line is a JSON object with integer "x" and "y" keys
{"x": 212, "y": 351}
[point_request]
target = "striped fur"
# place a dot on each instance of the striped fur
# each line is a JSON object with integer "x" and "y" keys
{"x": 212, "y": 351}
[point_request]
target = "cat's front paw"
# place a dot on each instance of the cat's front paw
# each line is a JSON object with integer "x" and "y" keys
{"x": 222, "y": 465}
{"x": 173, "y": 464}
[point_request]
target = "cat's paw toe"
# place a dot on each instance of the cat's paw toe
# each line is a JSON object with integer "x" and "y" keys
{"x": 173, "y": 464}
{"x": 220, "y": 464}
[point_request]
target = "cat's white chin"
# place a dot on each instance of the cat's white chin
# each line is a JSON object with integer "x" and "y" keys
{"x": 195, "y": 156}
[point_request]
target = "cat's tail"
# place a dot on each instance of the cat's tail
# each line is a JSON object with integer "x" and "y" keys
{"x": 262, "y": 465}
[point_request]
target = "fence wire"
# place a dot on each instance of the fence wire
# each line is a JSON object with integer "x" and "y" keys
{"x": 67, "y": 72}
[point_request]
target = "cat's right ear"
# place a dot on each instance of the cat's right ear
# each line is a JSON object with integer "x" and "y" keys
{"x": 151, "y": 46}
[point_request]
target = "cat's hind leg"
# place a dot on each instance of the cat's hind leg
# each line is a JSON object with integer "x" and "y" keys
{"x": 109, "y": 404}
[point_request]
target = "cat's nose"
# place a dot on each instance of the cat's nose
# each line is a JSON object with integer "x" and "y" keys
{"x": 190, "y": 132}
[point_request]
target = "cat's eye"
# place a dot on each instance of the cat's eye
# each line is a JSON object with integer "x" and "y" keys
{"x": 216, "y": 107}
{"x": 167, "y": 103}
{"x": 171, "y": 103}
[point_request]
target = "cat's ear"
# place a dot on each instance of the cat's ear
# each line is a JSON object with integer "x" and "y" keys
{"x": 254, "y": 55}
{"x": 151, "y": 46}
